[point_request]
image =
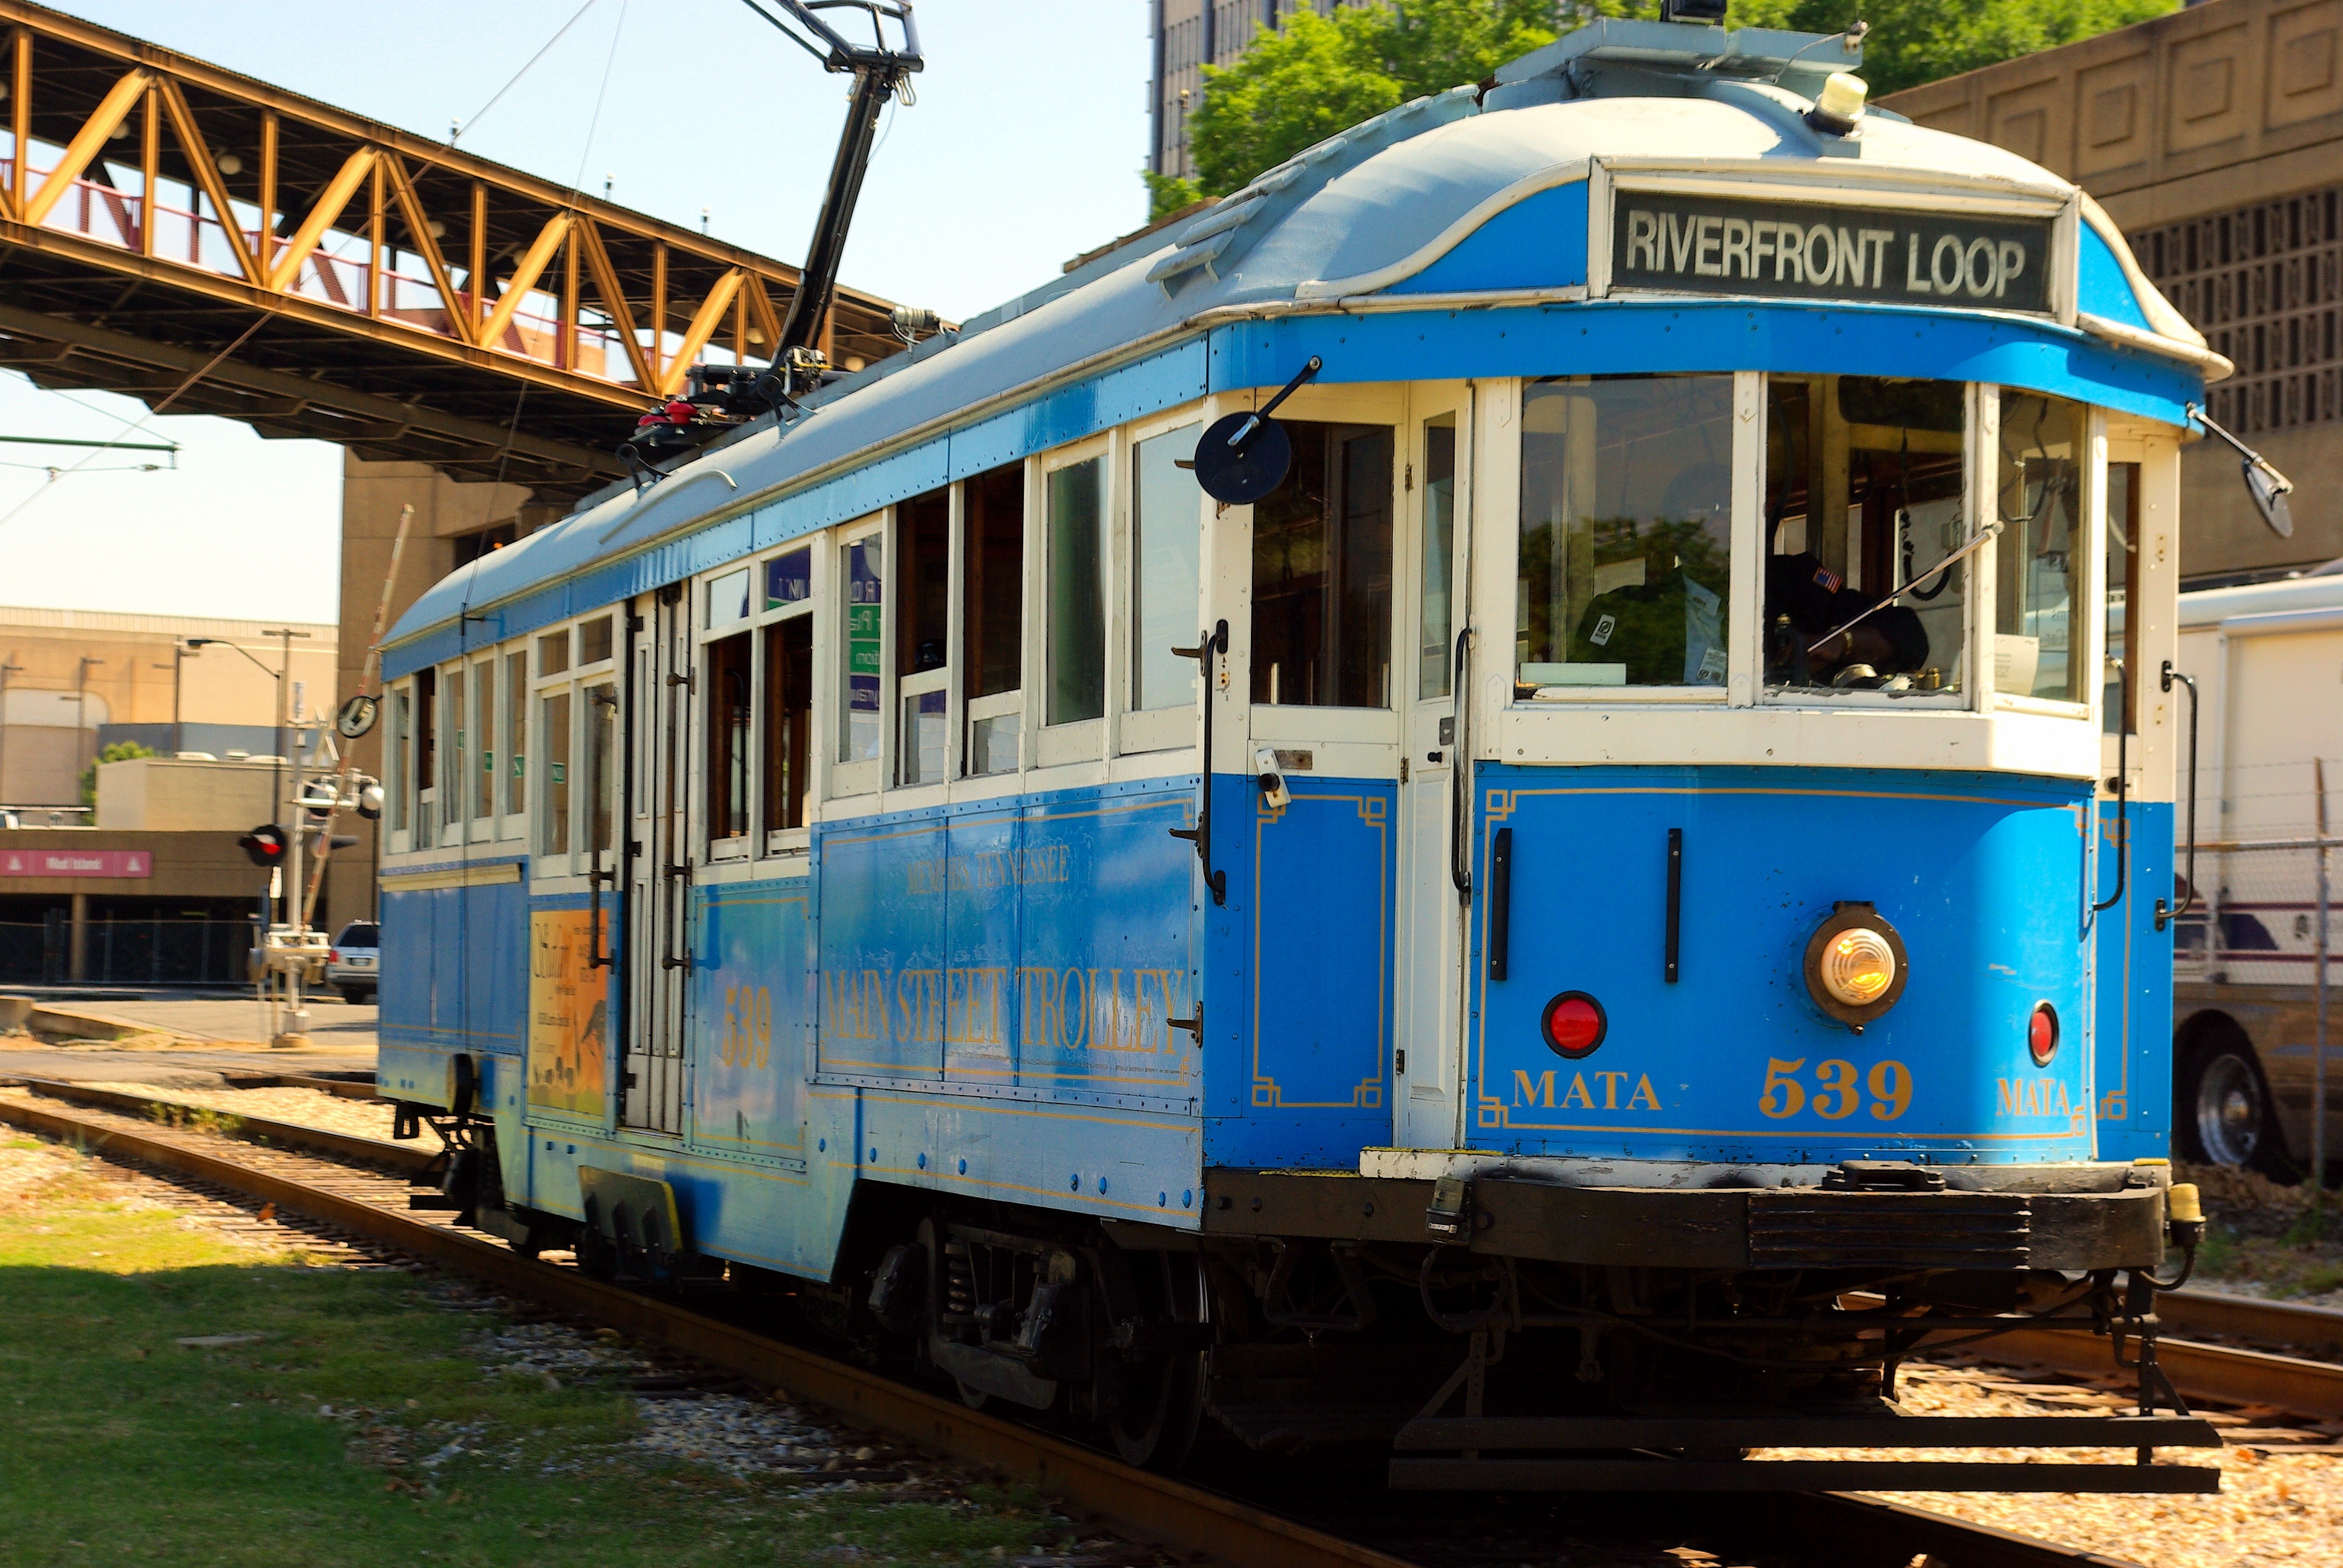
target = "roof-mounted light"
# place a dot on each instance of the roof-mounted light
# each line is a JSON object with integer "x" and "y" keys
{"x": 1839, "y": 105}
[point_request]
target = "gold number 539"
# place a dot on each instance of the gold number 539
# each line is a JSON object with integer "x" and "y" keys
{"x": 1835, "y": 1096}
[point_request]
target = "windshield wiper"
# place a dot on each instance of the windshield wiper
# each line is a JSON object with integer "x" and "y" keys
{"x": 1991, "y": 530}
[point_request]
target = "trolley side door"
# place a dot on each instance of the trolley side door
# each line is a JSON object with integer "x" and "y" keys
{"x": 1427, "y": 1063}
{"x": 651, "y": 1084}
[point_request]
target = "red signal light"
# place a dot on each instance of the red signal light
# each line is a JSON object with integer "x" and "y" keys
{"x": 264, "y": 845}
{"x": 1574, "y": 1024}
{"x": 2042, "y": 1034}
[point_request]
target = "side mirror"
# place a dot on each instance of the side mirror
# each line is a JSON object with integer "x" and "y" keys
{"x": 2267, "y": 486}
{"x": 1244, "y": 457}
{"x": 2270, "y": 489}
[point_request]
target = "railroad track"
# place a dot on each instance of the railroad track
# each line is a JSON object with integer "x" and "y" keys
{"x": 357, "y": 1186}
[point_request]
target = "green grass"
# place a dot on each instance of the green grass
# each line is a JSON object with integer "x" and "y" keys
{"x": 119, "y": 1446}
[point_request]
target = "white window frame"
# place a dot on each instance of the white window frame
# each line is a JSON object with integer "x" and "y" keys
{"x": 1743, "y": 622}
{"x": 704, "y": 635}
{"x": 513, "y": 825}
{"x": 2092, "y": 514}
{"x": 398, "y": 765}
{"x": 816, "y": 546}
{"x": 1080, "y": 740}
{"x": 1143, "y": 730}
{"x": 563, "y": 862}
{"x": 843, "y": 780}
{"x": 455, "y": 816}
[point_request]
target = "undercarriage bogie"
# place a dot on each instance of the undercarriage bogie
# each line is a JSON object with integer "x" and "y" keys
{"x": 1452, "y": 1342}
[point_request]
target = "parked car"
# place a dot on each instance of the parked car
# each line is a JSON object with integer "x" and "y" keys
{"x": 354, "y": 963}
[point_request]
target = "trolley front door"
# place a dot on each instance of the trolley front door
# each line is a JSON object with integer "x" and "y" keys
{"x": 660, "y": 869}
{"x": 1427, "y": 1073}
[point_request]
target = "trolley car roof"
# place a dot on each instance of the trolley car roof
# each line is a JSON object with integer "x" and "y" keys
{"x": 1440, "y": 210}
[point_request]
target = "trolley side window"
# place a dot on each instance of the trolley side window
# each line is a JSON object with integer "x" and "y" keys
{"x": 1863, "y": 498}
{"x": 516, "y": 766}
{"x": 2039, "y": 559}
{"x": 923, "y": 637}
{"x": 396, "y": 767}
{"x": 2123, "y": 589}
{"x": 863, "y": 569}
{"x": 992, "y": 616}
{"x": 1321, "y": 572}
{"x": 789, "y": 722}
{"x": 553, "y": 727}
{"x": 483, "y": 785}
{"x": 426, "y": 737}
{"x": 455, "y": 717}
{"x": 1167, "y": 537}
{"x": 1076, "y": 626}
{"x": 1434, "y": 613}
{"x": 1624, "y": 571}
{"x": 600, "y": 716}
{"x": 729, "y": 669}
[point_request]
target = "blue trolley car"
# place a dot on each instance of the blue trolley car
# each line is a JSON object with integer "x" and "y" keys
{"x": 1640, "y": 838}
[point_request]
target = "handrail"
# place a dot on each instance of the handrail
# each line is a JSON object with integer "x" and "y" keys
{"x": 1207, "y": 644}
{"x": 2123, "y": 794}
{"x": 2165, "y": 913}
{"x": 1460, "y": 844}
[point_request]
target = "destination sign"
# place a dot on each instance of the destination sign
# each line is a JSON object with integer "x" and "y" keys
{"x": 1812, "y": 250}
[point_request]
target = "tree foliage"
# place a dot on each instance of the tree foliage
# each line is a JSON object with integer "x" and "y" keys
{"x": 1917, "y": 41}
{"x": 1318, "y": 75}
{"x": 120, "y": 751}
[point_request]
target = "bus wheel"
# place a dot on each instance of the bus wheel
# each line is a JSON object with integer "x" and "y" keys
{"x": 2224, "y": 1116}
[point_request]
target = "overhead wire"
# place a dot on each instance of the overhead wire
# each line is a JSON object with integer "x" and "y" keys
{"x": 207, "y": 367}
{"x": 594, "y": 123}
{"x": 455, "y": 132}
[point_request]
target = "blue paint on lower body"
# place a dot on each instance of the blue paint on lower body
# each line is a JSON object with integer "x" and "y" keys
{"x": 1981, "y": 875}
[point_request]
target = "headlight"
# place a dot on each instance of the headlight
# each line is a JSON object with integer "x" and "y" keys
{"x": 1855, "y": 965}
{"x": 1859, "y": 966}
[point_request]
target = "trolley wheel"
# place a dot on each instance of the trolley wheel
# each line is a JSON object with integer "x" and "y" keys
{"x": 2224, "y": 1113}
{"x": 1162, "y": 1404}
{"x": 598, "y": 1255}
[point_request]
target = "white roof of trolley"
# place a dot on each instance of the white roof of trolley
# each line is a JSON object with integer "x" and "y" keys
{"x": 1331, "y": 229}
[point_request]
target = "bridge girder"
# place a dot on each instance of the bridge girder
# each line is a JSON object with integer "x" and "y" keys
{"x": 396, "y": 295}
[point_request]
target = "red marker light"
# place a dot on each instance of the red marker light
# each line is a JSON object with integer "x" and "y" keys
{"x": 1574, "y": 1024}
{"x": 2042, "y": 1034}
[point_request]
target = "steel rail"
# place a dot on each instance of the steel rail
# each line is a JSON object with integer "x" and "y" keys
{"x": 1843, "y": 1531}
{"x": 1156, "y": 1508}
{"x": 408, "y": 1158}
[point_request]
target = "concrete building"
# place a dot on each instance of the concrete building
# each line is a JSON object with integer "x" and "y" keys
{"x": 2213, "y": 137}
{"x": 72, "y": 681}
{"x": 156, "y": 889}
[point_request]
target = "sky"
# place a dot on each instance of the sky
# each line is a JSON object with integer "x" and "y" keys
{"x": 1022, "y": 150}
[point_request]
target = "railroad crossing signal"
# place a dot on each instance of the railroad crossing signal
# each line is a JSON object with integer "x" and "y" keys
{"x": 266, "y": 845}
